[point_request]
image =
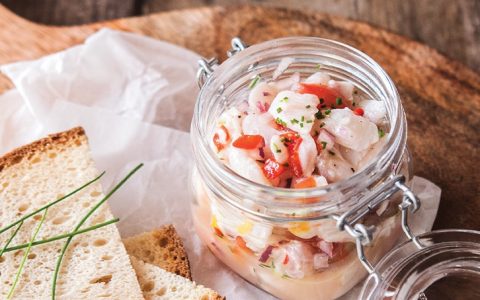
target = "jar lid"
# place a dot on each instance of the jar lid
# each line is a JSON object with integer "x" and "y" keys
{"x": 442, "y": 264}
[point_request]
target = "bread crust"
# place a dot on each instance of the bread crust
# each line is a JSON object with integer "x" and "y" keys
{"x": 75, "y": 136}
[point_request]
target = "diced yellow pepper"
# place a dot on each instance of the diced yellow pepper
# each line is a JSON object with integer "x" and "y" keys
{"x": 299, "y": 227}
{"x": 245, "y": 228}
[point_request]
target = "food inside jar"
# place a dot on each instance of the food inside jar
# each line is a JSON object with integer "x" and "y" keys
{"x": 294, "y": 133}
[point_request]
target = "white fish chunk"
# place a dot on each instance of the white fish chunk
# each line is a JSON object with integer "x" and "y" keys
{"x": 351, "y": 131}
{"x": 295, "y": 111}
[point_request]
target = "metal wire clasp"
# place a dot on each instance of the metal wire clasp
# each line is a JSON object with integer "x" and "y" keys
{"x": 207, "y": 66}
{"x": 364, "y": 235}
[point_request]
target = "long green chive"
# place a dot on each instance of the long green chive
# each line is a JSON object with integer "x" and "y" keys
{"x": 51, "y": 204}
{"x": 254, "y": 82}
{"x": 62, "y": 236}
{"x": 84, "y": 219}
{"x": 19, "y": 271}
{"x": 11, "y": 238}
{"x": 279, "y": 110}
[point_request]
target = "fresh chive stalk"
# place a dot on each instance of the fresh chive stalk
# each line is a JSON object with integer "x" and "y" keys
{"x": 25, "y": 255}
{"x": 61, "y": 236}
{"x": 84, "y": 219}
{"x": 50, "y": 204}
{"x": 4, "y": 249}
{"x": 254, "y": 82}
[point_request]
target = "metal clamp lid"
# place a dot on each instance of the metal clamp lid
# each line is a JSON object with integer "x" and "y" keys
{"x": 207, "y": 66}
{"x": 364, "y": 235}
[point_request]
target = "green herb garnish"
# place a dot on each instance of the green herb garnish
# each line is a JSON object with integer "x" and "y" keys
{"x": 24, "y": 258}
{"x": 254, "y": 82}
{"x": 324, "y": 145}
{"x": 381, "y": 133}
{"x": 82, "y": 221}
{"x": 279, "y": 110}
{"x": 327, "y": 112}
{"x": 285, "y": 99}
{"x": 11, "y": 238}
{"x": 50, "y": 204}
{"x": 319, "y": 115}
{"x": 338, "y": 101}
{"x": 281, "y": 122}
{"x": 294, "y": 121}
{"x": 62, "y": 236}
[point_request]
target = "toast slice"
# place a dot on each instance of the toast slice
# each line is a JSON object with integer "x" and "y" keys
{"x": 161, "y": 247}
{"x": 96, "y": 264}
{"x": 159, "y": 284}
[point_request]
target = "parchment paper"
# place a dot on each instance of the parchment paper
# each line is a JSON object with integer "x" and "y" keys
{"x": 134, "y": 96}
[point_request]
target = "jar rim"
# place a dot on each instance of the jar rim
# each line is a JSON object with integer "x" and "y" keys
{"x": 434, "y": 242}
{"x": 394, "y": 146}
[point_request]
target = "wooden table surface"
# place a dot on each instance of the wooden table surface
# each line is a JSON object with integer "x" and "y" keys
{"x": 452, "y": 27}
{"x": 441, "y": 97}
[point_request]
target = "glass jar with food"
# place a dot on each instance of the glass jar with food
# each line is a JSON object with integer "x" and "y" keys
{"x": 301, "y": 160}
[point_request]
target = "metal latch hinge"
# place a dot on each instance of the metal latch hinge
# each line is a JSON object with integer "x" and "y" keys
{"x": 363, "y": 235}
{"x": 206, "y": 66}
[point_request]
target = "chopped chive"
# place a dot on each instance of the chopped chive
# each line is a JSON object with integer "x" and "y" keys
{"x": 338, "y": 101}
{"x": 303, "y": 118}
{"x": 309, "y": 121}
{"x": 324, "y": 145}
{"x": 319, "y": 115}
{"x": 279, "y": 110}
{"x": 318, "y": 66}
{"x": 294, "y": 121}
{"x": 281, "y": 122}
{"x": 301, "y": 125}
{"x": 328, "y": 111}
{"x": 285, "y": 99}
{"x": 254, "y": 82}
{"x": 381, "y": 133}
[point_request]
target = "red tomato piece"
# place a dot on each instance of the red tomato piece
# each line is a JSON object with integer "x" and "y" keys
{"x": 217, "y": 139}
{"x": 304, "y": 183}
{"x": 292, "y": 140}
{"x": 218, "y": 232}
{"x": 285, "y": 260}
{"x": 359, "y": 111}
{"x": 272, "y": 169}
{"x": 242, "y": 244}
{"x": 249, "y": 142}
{"x": 328, "y": 96}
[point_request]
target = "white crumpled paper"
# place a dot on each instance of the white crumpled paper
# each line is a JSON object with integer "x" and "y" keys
{"x": 134, "y": 96}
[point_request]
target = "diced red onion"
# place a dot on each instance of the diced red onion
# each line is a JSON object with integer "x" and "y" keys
{"x": 266, "y": 254}
{"x": 326, "y": 247}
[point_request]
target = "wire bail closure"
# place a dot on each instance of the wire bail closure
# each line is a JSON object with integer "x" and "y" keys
{"x": 364, "y": 235}
{"x": 207, "y": 66}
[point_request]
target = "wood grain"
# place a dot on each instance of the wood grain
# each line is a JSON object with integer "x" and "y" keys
{"x": 441, "y": 97}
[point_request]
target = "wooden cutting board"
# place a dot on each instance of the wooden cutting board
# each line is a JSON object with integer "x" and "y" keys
{"x": 441, "y": 96}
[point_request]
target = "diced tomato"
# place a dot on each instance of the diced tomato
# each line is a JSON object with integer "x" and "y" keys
{"x": 249, "y": 142}
{"x": 358, "y": 111}
{"x": 272, "y": 169}
{"x": 328, "y": 96}
{"x": 285, "y": 260}
{"x": 304, "y": 183}
{"x": 218, "y": 232}
{"x": 217, "y": 139}
{"x": 242, "y": 244}
{"x": 292, "y": 140}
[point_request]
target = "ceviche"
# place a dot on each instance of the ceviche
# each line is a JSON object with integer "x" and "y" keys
{"x": 296, "y": 133}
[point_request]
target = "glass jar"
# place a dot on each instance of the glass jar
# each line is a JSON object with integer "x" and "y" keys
{"x": 445, "y": 266}
{"x": 255, "y": 229}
